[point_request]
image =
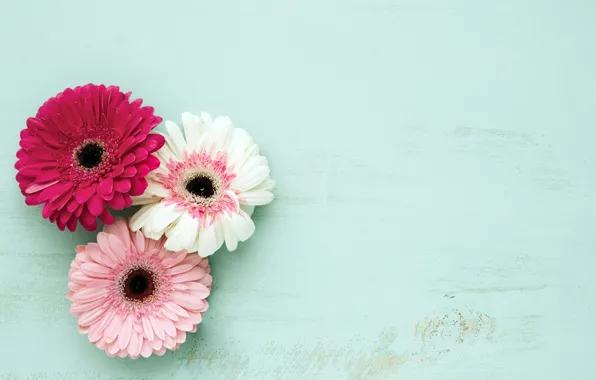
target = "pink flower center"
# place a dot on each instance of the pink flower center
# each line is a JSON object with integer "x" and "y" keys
{"x": 139, "y": 285}
{"x": 201, "y": 185}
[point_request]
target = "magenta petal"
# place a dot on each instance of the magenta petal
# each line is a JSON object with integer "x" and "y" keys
{"x": 138, "y": 186}
{"x": 130, "y": 171}
{"x": 47, "y": 175}
{"x": 116, "y": 171}
{"x": 106, "y": 186}
{"x": 118, "y": 202}
{"x": 72, "y": 205}
{"x": 88, "y": 221}
{"x": 140, "y": 154}
{"x": 106, "y": 217}
{"x": 72, "y": 224}
{"x": 96, "y": 205}
{"x": 122, "y": 185}
{"x": 152, "y": 162}
{"x": 128, "y": 159}
{"x": 142, "y": 170}
{"x": 127, "y": 201}
{"x": 82, "y": 194}
{"x": 47, "y": 210}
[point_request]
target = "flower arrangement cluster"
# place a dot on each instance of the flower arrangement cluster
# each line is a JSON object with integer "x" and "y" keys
{"x": 143, "y": 285}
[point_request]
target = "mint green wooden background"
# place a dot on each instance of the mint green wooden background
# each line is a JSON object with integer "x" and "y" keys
{"x": 435, "y": 210}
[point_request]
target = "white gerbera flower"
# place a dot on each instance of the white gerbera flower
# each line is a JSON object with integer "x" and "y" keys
{"x": 206, "y": 188}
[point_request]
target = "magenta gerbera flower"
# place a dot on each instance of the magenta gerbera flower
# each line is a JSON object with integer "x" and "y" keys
{"x": 132, "y": 297}
{"x": 86, "y": 149}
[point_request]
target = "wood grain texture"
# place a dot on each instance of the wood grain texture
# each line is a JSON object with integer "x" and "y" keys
{"x": 435, "y": 205}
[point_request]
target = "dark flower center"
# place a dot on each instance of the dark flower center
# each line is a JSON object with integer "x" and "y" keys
{"x": 139, "y": 285}
{"x": 90, "y": 155}
{"x": 201, "y": 186}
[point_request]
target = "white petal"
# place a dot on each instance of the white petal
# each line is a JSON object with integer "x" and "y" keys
{"x": 207, "y": 241}
{"x": 247, "y": 179}
{"x": 141, "y": 217}
{"x": 243, "y": 225}
{"x": 142, "y": 200}
{"x": 194, "y": 129}
{"x": 176, "y": 140}
{"x": 259, "y": 195}
{"x": 229, "y": 233}
{"x": 206, "y": 118}
{"x": 256, "y": 197}
{"x": 165, "y": 154}
{"x": 157, "y": 189}
{"x": 160, "y": 218}
{"x": 248, "y": 209}
{"x": 240, "y": 150}
{"x": 183, "y": 234}
{"x": 221, "y": 130}
{"x": 219, "y": 233}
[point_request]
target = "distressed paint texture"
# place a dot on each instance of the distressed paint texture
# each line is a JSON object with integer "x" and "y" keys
{"x": 435, "y": 209}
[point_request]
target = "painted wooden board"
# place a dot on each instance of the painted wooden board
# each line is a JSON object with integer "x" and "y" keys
{"x": 435, "y": 208}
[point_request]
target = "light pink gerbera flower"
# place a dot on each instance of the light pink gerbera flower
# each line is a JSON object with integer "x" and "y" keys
{"x": 207, "y": 187}
{"x": 87, "y": 148}
{"x": 132, "y": 297}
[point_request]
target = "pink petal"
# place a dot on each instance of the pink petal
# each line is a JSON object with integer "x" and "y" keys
{"x": 146, "y": 351}
{"x": 158, "y": 327}
{"x": 147, "y": 329}
{"x": 78, "y": 308}
{"x": 95, "y": 252}
{"x": 89, "y": 294}
{"x": 188, "y": 301}
{"x": 95, "y": 270}
{"x": 90, "y": 316}
{"x": 176, "y": 309}
{"x": 140, "y": 241}
{"x": 180, "y": 269}
{"x": 135, "y": 345}
{"x": 195, "y": 274}
{"x": 125, "y": 332}
{"x": 180, "y": 337}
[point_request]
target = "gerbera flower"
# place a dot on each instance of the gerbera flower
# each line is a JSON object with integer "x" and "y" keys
{"x": 132, "y": 297}
{"x": 87, "y": 148}
{"x": 207, "y": 187}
